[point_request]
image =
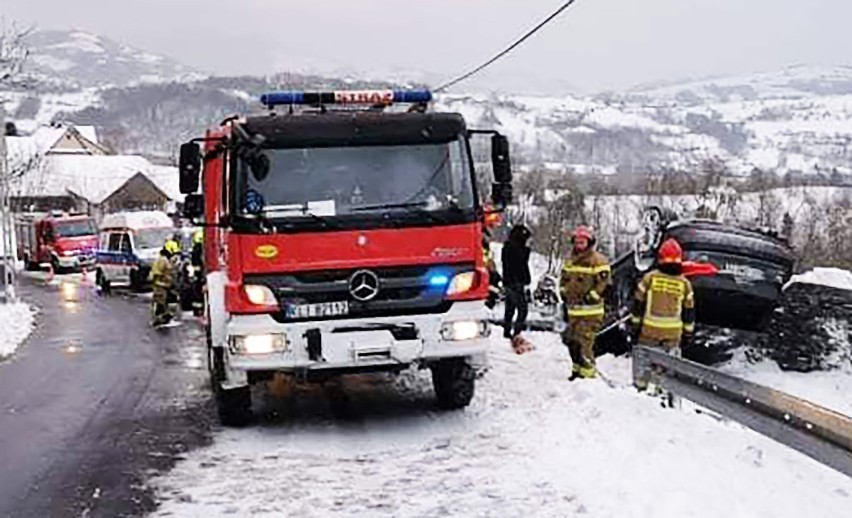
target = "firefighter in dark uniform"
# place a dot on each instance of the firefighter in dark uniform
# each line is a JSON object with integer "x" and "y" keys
{"x": 494, "y": 279}
{"x": 585, "y": 277}
{"x": 663, "y": 313}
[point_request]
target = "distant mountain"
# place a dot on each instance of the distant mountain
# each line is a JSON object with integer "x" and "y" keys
{"x": 797, "y": 120}
{"x": 795, "y": 82}
{"x": 78, "y": 59}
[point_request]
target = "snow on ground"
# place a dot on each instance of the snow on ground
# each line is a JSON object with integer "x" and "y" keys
{"x": 831, "y": 277}
{"x": 830, "y": 389}
{"x": 531, "y": 444}
{"x": 16, "y": 322}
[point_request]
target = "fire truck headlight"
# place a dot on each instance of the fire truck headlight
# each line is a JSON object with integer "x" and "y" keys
{"x": 259, "y": 344}
{"x": 259, "y": 295}
{"x": 463, "y": 330}
{"x": 461, "y": 283}
{"x": 68, "y": 253}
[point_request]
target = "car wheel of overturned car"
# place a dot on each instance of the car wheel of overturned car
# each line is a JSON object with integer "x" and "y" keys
{"x": 454, "y": 382}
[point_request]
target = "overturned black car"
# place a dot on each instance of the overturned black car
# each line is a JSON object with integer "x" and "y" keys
{"x": 749, "y": 269}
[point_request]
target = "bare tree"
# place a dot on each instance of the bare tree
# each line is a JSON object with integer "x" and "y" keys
{"x": 13, "y": 55}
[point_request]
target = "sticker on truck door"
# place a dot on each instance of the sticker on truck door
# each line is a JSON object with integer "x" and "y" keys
{"x": 266, "y": 251}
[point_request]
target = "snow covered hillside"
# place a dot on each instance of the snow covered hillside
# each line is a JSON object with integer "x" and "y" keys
{"x": 531, "y": 444}
{"x": 78, "y": 59}
{"x": 798, "y": 120}
{"x": 16, "y": 323}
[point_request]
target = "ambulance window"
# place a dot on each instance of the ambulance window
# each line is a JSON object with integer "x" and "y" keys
{"x": 115, "y": 242}
{"x": 125, "y": 244}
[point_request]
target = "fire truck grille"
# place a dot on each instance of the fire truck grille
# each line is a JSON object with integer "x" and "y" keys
{"x": 401, "y": 290}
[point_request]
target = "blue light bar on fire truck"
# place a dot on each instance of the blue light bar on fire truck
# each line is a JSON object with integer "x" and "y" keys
{"x": 371, "y": 97}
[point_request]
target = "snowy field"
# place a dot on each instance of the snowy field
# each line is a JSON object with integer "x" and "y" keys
{"x": 16, "y": 323}
{"x": 531, "y": 444}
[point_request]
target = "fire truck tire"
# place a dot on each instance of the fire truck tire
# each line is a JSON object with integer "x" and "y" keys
{"x": 29, "y": 264}
{"x": 234, "y": 405}
{"x": 454, "y": 382}
{"x": 57, "y": 269}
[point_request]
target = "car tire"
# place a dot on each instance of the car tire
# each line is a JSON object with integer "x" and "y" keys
{"x": 454, "y": 382}
{"x": 102, "y": 282}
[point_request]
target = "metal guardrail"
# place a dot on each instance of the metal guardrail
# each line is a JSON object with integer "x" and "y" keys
{"x": 822, "y": 434}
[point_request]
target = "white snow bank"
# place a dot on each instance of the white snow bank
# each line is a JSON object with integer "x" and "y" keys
{"x": 16, "y": 322}
{"x": 831, "y": 277}
{"x": 531, "y": 444}
{"x": 830, "y": 389}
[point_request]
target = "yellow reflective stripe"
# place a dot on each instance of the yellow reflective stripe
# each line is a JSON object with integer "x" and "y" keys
{"x": 636, "y": 320}
{"x": 689, "y": 328}
{"x": 586, "y": 311}
{"x": 663, "y": 323}
{"x": 587, "y": 270}
{"x": 594, "y": 295}
{"x": 668, "y": 286}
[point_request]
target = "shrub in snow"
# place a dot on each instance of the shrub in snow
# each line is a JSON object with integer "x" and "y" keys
{"x": 810, "y": 331}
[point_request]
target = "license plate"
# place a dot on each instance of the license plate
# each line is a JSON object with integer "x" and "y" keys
{"x": 324, "y": 309}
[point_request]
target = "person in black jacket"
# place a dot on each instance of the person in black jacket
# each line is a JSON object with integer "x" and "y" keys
{"x": 516, "y": 279}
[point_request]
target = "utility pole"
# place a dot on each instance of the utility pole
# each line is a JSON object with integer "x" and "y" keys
{"x": 6, "y": 226}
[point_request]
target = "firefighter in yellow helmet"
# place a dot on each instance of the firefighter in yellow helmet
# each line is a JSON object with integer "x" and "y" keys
{"x": 163, "y": 281}
{"x": 585, "y": 277}
{"x": 663, "y": 313}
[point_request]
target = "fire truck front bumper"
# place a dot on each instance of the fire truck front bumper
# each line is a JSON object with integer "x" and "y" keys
{"x": 258, "y": 343}
{"x": 81, "y": 260}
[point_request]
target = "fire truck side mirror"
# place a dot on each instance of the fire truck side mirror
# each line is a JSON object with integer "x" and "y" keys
{"x": 193, "y": 206}
{"x": 500, "y": 160}
{"x": 189, "y": 167}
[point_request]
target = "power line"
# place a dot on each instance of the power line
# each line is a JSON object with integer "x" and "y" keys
{"x": 508, "y": 49}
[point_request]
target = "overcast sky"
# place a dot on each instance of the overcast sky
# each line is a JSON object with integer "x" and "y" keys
{"x": 595, "y": 45}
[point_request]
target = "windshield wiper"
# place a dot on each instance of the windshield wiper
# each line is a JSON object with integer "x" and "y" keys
{"x": 304, "y": 210}
{"x": 407, "y": 205}
{"x": 412, "y": 207}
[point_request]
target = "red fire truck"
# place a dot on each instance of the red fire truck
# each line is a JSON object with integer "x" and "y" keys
{"x": 342, "y": 236}
{"x": 63, "y": 241}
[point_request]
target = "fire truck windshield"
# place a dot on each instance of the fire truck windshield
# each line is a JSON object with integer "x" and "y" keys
{"x": 335, "y": 182}
{"x": 85, "y": 227}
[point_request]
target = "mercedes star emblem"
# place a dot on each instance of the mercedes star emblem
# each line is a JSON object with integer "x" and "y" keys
{"x": 364, "y": 285}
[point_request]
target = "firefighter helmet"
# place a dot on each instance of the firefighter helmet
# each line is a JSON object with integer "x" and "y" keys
{"x": 197, "y": 237}
{"x": 583, "y": 232}
{"x": 171, "y": 246}
{"x": 670, "y": 252}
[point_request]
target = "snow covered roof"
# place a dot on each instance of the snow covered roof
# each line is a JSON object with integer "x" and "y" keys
{"x": 93, "y": 177}
{"x": 137, "y": 219}
{"x": 831, "y": 277}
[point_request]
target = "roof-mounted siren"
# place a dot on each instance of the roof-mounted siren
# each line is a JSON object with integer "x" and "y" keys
{"x": 346, "y": 97}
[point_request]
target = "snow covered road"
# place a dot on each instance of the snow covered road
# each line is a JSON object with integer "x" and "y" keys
{"x": 531, "y": 444}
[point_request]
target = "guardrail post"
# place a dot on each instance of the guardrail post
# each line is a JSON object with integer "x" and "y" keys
{"x": 641, "y": 368}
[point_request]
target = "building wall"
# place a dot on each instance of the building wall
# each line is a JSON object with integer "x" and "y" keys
{"x": 138, "y": 193}
{"x": 73, "y": 142}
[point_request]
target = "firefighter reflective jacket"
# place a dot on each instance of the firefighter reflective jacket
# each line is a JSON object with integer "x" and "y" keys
{"x": 664, "y": 307}
{"x": 585, "y": 276}
{"x": 162, "y": 273}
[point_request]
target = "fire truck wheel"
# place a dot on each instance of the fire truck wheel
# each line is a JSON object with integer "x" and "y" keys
{"x": 454, "y": 382}
{"x": 29, "y": 264}
{"x": 57, "y": 269}
{"x": 234, "y": 405}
